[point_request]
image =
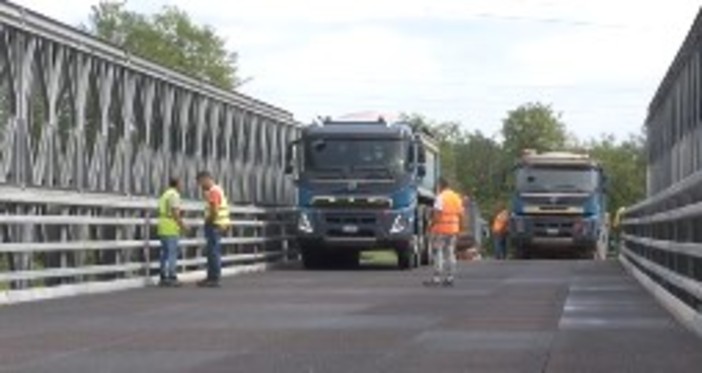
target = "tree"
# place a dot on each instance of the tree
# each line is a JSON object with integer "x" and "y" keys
{"x": 624, "y": 164}
{"x": 480, "y": 166}
{"x": 533, "y": 126}
{"x": 448, "y": 135}
{"x": 169, "y": 38}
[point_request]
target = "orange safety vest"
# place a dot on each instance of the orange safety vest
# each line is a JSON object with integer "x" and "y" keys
{"x": 499, "y": 226}
{"x": 448, "y": 221}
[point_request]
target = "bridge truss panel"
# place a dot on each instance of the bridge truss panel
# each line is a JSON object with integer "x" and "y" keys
{"x": 661, "y": 240}
{"x": 84, "y": 119}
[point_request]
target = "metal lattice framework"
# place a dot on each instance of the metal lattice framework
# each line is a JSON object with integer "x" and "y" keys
{"x": 85, "y": 118}
{"x": 662, "y": 240}
{"x": 79, "y": 114}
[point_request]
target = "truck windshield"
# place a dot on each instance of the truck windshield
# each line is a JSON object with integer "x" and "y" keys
{"x": 366, "y": 157}
{"x": 557, "y": 179}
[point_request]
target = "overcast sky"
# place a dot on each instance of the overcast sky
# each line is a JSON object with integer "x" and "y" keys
{"x": 596, "y": 61}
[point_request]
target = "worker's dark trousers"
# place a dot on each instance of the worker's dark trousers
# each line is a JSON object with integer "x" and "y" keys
{"x": 500, "y": 247}
{"x": 214, "y": 252}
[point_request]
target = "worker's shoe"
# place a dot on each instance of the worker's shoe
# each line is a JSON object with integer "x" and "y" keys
{"x": 433, "y": 282}
{"x": 448, "y": 282}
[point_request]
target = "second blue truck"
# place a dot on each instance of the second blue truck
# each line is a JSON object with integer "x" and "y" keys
{"x": 559, "y": 206}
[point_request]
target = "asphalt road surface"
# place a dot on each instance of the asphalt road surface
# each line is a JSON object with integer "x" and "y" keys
{"x": 560, "y": 316}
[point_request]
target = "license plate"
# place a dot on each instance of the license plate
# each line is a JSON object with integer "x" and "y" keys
{"x": 552, "y": 231}
{"x": 349, "y": 229}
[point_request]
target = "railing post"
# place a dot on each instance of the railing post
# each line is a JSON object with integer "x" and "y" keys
{"x": 147, "y": 246}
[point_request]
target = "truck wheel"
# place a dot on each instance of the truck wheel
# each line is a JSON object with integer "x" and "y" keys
{"x": 589, "y": 253}
{"x": 404, "y": 260}
{"x": 522, "y": 253}
{"x": 312, "y": 259}
{"x": 350, "y": 260}
{"x": 425, "y": 254}
{"x": 408, "y": 255}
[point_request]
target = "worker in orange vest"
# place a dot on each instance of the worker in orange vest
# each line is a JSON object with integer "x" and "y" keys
{"x": 445, "y": 227}
{"x": 500, "y": 228}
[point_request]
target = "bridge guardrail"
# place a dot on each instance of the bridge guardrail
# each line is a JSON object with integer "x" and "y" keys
{"x": 59, "y": 243}
{"x": 662, "y": 247}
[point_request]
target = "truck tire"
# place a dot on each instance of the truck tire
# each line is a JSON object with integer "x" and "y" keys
{"x": 423, "y": 237}
{"x": 589, "y": 254}
{"x": 350, "y": 259}
{"x": 311, "y": 258}
{"x": 522, "y": 253}
{"x": 408, "y": 255}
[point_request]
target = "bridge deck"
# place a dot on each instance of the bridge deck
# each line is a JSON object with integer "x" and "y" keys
{"x": 511, "y": 317}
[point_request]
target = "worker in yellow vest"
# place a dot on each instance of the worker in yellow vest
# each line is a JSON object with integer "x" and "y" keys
{"x": 500, "y": 229}
{"x": 216, "y": 222}
{"x": 445, "y": 227}
{"x": 617, "y": 229}
{"x": 170, "y": 227}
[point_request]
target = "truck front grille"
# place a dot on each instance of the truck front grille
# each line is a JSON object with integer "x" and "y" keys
{"x": 352, "y": 202}
{"x": 363, "y": 233}
{"x": 351, "y": 219}
{"x": 545, "y": 228}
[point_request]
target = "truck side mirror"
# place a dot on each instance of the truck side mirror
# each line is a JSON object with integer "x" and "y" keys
{"x": 289, "y": 149}
{"x": 421, "y": 153}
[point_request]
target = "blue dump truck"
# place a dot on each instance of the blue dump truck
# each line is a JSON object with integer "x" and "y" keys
{"x": 363, "y": 185}
{"x": 559, "y": 206}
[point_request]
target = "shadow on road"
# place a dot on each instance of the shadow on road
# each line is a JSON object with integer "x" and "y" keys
{"x": 371, "y": 267}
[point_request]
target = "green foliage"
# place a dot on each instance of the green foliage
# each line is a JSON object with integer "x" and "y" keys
{"x": 448, "y": 135}
{"x": 533, "y": 126}
{"x": 624, "y": 163}
{"x": 169, "y": 38}
{"x": 481, "y": 166}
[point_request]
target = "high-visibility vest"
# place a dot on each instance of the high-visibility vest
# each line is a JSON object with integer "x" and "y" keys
{"x": 499, "y": 226}
{"x": 618, "y": 217}
{"x": 167, "y": 224}
{"x": 448, "y": 220}
{"x": 222, "y": 218}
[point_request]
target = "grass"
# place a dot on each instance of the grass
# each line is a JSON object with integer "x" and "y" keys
{"x": 379, "y": 258}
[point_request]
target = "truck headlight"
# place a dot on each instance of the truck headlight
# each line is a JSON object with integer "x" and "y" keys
{"x": 399, "y": 225}
{"x": 304, "y": 224}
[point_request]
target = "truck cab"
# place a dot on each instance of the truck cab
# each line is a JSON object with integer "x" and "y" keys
{"x": 362, "y": 185}
{"x": 559, "y": 206}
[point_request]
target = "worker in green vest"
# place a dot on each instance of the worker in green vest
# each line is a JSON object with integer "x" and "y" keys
{"x": 216, "y": 223}
{"x": 170, "y": 227}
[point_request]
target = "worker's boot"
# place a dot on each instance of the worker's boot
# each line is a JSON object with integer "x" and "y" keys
{"x": 435, "y": 281}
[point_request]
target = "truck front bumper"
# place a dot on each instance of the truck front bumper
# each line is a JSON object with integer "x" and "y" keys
{"x": 553, "y": 231}
{"x": 359, "y": 230}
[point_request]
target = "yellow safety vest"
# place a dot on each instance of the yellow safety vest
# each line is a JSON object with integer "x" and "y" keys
{"x": 167, "y": 224}
{"x": 222, "y": 219}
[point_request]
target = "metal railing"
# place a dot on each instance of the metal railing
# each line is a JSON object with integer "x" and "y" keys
{"x": 55, "y": 243}
{"x": 662, "y": 247}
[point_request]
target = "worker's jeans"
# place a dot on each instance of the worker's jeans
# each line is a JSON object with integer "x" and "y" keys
{"x": 500, "y": 242}
{"x": 169, "y": 257}
{"x": 214, "y": 252}
{"x": 444, "y": 251}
